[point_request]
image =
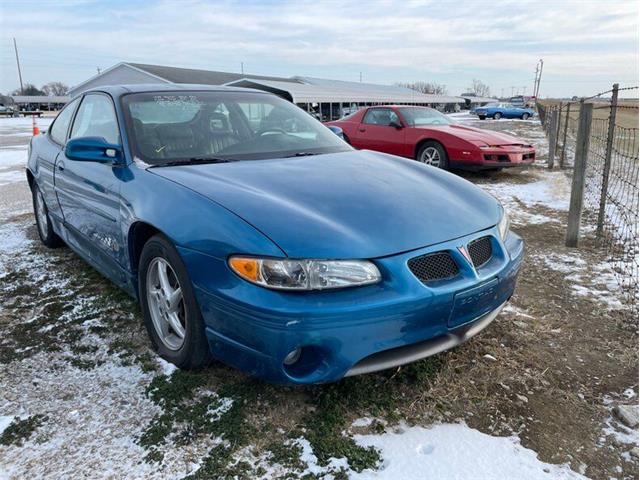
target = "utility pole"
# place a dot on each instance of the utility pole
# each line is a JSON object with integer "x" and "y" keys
{"x": 15, "y": 47}
{"x": 501, "y": 93}
{"x": 242, "y": 68}
{"x": 360, "y": 77}
{"x": 512, "y": 89}
{"x": 99, "y": 70}
{"x": 536, "y": 83}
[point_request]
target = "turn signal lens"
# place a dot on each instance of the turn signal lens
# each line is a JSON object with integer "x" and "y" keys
{"x": 291, "y": 274}
{"x": 247, "y": 268}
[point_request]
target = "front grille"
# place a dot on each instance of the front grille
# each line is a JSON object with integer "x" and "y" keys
{"x": 480, "y": 251}
{"x": 433, "y": 266}
{"x": 496, "y": 158}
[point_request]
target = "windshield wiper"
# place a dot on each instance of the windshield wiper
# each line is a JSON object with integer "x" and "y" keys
{"x": 194, "y": 161}
{"x": 301, "y": 154}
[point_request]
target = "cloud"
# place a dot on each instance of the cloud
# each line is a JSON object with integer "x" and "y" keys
{"x": 582, "y": 42}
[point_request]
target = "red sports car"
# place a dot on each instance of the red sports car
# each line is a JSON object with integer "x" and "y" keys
{"x": 428, "y": 136}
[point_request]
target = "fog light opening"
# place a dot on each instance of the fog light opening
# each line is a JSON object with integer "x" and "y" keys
{"x": 292, "y": 357}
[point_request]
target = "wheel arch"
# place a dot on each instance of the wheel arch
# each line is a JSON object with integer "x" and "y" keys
{"x": 139, "y": 233}
{"x": 30, "y": 178}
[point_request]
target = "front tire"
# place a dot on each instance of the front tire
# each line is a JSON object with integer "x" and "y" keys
{"x": 482, "y": 117}
{"x": 43, "y": 221}
{"x": 497, "y": 116}
{"x": 525, "y": 116}
{"x": 434, "y": 154}
{"x": 169, "y": 308}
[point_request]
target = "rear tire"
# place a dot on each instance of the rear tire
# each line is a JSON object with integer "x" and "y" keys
{"x": 185, "y": 344}
{"x": 43, "y": 221}
{"x": 497, "y": 116}
{"x": 482, "y": 117}
{"x": 432, "y": 153}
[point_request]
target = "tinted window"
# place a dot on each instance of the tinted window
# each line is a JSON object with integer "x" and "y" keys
{"x": 96, "y": 118}
{"x": 169, "y": 127}
{"x": 60, "y": 127}
{"x": 380, "y": 116}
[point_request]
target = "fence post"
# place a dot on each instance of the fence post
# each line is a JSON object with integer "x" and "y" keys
{"x": 607, "y": 161}
{"x": 579, "y": 172}
{"x": 553, "y": 136}
{"x": 564, "y": 135}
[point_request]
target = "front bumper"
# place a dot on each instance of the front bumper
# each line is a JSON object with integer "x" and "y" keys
{"x": 495, "y": 157}
{"x": 343, "y": 332}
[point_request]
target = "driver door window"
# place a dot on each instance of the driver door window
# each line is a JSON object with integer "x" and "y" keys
{"x": 381, "y": 116}
{"x": 96, "y": 118}
{"x": 376, "y": 132}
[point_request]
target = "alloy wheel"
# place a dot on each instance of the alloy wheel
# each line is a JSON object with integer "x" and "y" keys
{"x": 166, "y": 303}
{"x": 430, "y": 156}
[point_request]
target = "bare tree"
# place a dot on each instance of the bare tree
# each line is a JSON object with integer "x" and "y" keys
{"x": 480, "y": 89}
{"x": 29, "y": 89}
{"x": 425, "y": 87}
{"x": 55, "y": 88}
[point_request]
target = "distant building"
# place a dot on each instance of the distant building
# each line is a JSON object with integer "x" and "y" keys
{"x": 324, "y": 98}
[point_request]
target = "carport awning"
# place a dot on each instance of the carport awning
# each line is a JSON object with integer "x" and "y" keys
{"x": 305, "y": 93}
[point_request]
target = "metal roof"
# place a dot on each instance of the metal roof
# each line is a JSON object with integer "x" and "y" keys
{"x": 347, "y": 92}
{"x": 203, "y": 77}
{"x": 40, "y": 98}
{"x": 474, "y": 99}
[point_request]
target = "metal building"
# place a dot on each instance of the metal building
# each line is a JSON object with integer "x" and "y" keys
{"x": 324, "y": 98}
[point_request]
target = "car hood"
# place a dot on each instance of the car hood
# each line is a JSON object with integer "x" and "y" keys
{"x": 480, "y": 135}
{"x": 356, "y": 204}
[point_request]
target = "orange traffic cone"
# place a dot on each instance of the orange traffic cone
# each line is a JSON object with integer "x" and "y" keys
{"x": 36, "y": 130}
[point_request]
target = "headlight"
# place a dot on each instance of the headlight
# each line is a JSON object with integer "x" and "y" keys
{"x": 504, "y": 224}
{"x": 287, "y": 274}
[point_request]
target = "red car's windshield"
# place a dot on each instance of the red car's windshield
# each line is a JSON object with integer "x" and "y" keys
{"x": 417, "y": 116}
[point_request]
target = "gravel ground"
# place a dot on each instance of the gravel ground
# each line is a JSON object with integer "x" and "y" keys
{"x": 83, "y": 396}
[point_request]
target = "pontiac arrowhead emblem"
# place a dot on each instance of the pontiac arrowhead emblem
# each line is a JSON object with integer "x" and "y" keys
{"x": 465, "y": 254}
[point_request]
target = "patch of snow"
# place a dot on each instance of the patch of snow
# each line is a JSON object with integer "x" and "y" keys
{"x": 311, "y": 460}
{"x": 456, "y": 451}
{"x": 362, "y": 422}
{"x": 165, "y": 367}
{"x": 552, "y": 190}
{"x": 5, "y": 421}
{"x": 615, "y": 429}
{"x": 593, "y": 280}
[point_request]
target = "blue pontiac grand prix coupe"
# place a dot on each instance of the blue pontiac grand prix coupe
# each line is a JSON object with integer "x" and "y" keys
{"x": 252, "y": 234}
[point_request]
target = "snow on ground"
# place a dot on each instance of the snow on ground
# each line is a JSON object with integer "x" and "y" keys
{"x": 456, "y": 451}
{"x": 597, "y": 281}
{"x": 20, "y": 125}
{"x": 550, "y": 191}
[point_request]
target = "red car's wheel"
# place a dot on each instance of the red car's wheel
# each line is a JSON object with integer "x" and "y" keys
{"x": 434, "y": 154}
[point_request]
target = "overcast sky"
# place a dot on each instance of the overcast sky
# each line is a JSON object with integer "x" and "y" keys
{"x": 586, "y": 45}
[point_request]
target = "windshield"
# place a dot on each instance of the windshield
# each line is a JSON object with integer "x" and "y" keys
{"x": 416, "y": 116}
{"x": 166, "y": 127}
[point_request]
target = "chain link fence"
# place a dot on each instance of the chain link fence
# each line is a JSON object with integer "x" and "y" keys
{"x": 598, "y": 138}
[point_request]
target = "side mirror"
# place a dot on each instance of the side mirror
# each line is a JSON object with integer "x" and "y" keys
{"x": 395, "y": 124}
{"x": 337, "y": 130}
{"x": 93, "y": 149}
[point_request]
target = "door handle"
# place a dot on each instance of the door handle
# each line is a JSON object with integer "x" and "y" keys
{"x": 60, "y": 166}
{"x": 362, "y": 129}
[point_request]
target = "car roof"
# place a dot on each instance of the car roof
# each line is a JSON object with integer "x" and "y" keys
{"x": 120, "y": 90}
